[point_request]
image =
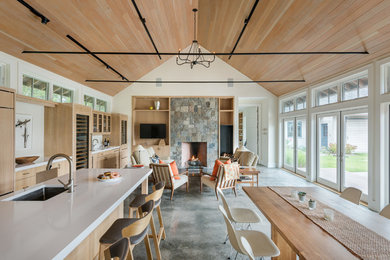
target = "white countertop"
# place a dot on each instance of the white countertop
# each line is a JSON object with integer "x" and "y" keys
{"x": 52, "y": 229}
{"x": 105, "y": 149}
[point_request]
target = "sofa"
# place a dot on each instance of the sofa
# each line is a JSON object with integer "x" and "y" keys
{"x": 144, "y": 156}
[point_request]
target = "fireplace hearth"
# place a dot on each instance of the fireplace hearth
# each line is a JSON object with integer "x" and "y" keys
{"x": 194, "y": 154}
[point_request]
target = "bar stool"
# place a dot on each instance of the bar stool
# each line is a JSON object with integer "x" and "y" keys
{"x": 118, "y": 250}
{"x": 135, "y": 229}
{"x": 156, "y": 197}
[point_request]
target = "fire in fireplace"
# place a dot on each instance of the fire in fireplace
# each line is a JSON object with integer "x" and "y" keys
{"x": 194, "y": 154}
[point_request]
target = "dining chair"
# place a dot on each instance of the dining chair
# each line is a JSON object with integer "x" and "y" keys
{"x": 156, "y": 195}
{"x": 385, "y": 212}
{"x": 135, "y": 229}
{"x": 238, "y": 215}
{"x": 247, "y": 248}
{"x": 351, "y": 194}
{"x": 118, "y": 250}
{"x": 262, "y": 245}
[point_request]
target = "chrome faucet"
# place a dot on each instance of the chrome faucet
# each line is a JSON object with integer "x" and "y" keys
{"x": 68, "y": 186}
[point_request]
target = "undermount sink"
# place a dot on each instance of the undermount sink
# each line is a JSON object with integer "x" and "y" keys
{"x": 41, "y": 194}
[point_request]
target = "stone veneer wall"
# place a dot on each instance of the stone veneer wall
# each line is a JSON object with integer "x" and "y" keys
{"x": 194, "y": 120}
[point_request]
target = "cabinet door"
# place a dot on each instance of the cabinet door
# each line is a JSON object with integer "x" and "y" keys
{"x": 105, "y": 123}
{"x": 95, "y": 123}
{"x": 109, "y": 124}
{"x": 7, "y": 162}
{"x": 100, "y": 123}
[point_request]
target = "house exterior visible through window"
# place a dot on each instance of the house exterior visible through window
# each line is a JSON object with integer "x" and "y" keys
{"x": 288, "y": 106}
{"x": 36, "y": 88}
{"x": 326, "y": 96}
{"x": 101, "y": 105}
{"x": 300, "y": 102}
{"x": 89, "y": 101}
{"x": 357, "y": 88}
{"x": 62, "y": 95}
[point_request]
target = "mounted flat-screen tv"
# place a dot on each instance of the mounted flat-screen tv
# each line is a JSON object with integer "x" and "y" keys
{"x": 153, "y": 131}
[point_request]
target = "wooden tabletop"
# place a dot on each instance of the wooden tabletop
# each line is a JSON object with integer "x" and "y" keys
{"x": 307, "y": 239}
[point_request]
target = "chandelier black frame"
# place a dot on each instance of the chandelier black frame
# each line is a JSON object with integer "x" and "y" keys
{"x": 194, "y": 55}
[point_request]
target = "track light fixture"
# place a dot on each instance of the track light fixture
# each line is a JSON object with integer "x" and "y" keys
{"x": 44, "y": 19}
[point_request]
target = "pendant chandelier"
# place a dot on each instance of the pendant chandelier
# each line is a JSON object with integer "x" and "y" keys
{"x": 194, "y": 55}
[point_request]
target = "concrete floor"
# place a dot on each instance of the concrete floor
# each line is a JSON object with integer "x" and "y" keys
{"x": 195, "y": 228}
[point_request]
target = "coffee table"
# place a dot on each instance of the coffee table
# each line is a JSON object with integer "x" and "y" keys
{"x": 253, "y": 172}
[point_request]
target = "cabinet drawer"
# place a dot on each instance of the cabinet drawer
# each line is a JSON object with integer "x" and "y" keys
{"x": 25, "y": 174}
{"x": 25, "y": 183}
{"x": 6, "y": 99}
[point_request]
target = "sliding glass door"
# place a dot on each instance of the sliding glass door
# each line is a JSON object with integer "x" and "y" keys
{"x": 294, "y": 148}
{"x": 342, "y": 150}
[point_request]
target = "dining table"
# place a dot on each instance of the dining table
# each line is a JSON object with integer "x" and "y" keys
{"x": 296, "y": 234}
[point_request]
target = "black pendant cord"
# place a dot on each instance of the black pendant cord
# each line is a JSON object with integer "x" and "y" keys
{"x": 246, "y": 21}
{"x": 44, "y": 19}
{"x": 143, "y": 20}
{"x": 96, "y": 57}
{"x": 205, "y": 54}
{"x": 194, "y": 81}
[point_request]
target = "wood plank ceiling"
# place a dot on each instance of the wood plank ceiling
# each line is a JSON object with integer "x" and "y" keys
{"x": 276, "y": 26}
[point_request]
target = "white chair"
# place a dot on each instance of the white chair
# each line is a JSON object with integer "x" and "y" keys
{"x": 248, "y": 248}
{"x": 385, "y": 212}
{"x": 352, "y": 194}
{"x": 262, "y": 245}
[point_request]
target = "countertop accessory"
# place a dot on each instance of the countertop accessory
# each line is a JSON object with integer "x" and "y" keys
{"x": 312, "y": 204}
{"x": 26, "y": 159}
{"x": 302, "y": 196}
{"x": 70, "y": 185}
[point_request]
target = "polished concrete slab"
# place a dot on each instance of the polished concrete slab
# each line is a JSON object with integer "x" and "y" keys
{"x": 194, "y": 226}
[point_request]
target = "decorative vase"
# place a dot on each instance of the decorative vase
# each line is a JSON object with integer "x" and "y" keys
{"x": 302, "y": 196}
{"x": 157, "y": 105}
{"x": 312, "y": 204}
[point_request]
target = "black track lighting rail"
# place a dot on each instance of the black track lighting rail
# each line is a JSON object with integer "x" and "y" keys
{"x": 143, "y": 20}
{"x": 96, "y": 57}
{"x": 194, "y": 81}
{"x": 44, "y": 19}
{"x": 205, "y": 54}
{"x": 246, "y": 21}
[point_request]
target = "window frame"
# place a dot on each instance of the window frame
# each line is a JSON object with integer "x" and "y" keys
{"x": 62, "y": 94}
{"x": 93, "y": 102}
{"x": 47, "y": 90}
{"x": 98, "y": 106}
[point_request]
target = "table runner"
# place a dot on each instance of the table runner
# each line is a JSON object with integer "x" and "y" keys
{"x": 358, "y": 239}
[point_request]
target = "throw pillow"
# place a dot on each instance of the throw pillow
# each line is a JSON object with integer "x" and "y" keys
{"x": 216, "y": 166}
{"x": 247, "y": 158}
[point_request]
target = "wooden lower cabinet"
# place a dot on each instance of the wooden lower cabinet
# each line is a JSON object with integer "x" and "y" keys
{"x": 107, "y": 159}
{"x": 27, "y": 178}
{"x": 124, "y": 157}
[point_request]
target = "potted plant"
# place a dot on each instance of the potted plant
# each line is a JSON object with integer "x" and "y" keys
{"x": 302, "y": 196}
{"x": 312, "y": 204}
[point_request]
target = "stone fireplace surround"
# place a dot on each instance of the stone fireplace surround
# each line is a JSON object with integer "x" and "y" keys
{"x": 194, "y": 120}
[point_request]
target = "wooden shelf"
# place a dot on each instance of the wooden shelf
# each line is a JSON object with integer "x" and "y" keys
{"x": 36, "y": 101}
{"x": 229, "y": 110}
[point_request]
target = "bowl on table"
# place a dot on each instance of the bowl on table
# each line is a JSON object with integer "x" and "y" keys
{"x": 26, "y": 159}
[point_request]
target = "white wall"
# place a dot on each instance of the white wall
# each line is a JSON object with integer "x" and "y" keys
{"x": 219, "y": 70}
{"x": 15, "y": 70}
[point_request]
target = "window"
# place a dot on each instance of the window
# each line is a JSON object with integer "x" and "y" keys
{"x": 300, "y": 102}
{"x": 62, "y": 95}
{"x": 3, "y": 74}
{"x": 355, "y": 89}
{"x": 326, "y": 96}
{"x": 101, "y": 105}
{"x": 35, "y": 88}
{"x": 288, "y": 106}
{"x": 386, "y": 77}
{"x": 89, "y": 101}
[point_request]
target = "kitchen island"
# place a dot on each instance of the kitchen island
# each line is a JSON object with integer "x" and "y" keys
{"x": 68, "y": 225}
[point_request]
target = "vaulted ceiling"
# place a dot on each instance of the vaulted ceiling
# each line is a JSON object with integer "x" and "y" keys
{"x": 276, "y": 26}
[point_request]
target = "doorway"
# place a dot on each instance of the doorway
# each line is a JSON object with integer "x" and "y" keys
{"x": 342, "y": 150}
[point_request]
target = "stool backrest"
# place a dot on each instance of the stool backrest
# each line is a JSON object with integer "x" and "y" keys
{"x": 158, "y": 190}
{"x": 142, "y": 223}
{"x": 352, "y": 194}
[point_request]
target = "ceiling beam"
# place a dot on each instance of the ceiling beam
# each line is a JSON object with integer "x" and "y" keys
{"x": 246, "y": 21}
{"x": 143, "y": 20}
{"x": 96, "y": 57}
{"x": 206, "y": 54}
{"x": 193, "y": 81}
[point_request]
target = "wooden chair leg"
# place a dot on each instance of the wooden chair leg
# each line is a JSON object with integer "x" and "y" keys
{"x": 102, "y": 247}
{"x": 201, "y": 188}
{"x": 130, "y": 253}
{"x": 131, "y": 212}
{"x": 160, "y": 219}
{"x": 235, "y": 192}
{"x": 148, "y": 249}
{"x": 155, "y": 239}
{"x": 187, "y": 185}
{"x": 172, "y": 193}
{"x": 216, "y": 193}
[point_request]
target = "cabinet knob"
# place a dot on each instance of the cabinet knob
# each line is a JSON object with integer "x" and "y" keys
{"x": 26, "y": 173}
